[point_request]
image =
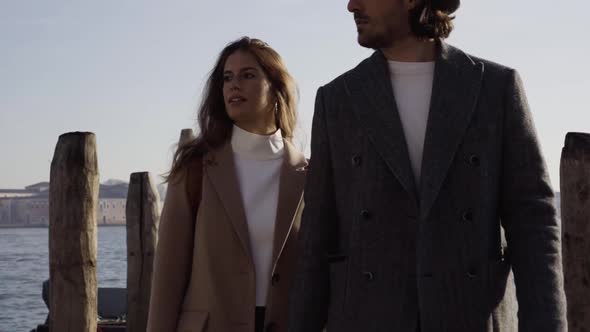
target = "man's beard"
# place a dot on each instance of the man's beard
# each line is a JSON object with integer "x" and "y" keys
{"x": 377, "y": 40}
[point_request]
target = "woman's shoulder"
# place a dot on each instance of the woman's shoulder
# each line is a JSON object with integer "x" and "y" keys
{"x": 187, "y": 167}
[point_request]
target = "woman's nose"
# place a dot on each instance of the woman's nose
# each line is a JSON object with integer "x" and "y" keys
{"x": 234, "y": 84}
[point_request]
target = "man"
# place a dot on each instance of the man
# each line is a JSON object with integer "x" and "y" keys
{"x": 428, "y": 204}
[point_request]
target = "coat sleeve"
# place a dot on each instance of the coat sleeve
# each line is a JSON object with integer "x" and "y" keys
{"x": 529, "y": 217}
{"x": 309, "y": 298}
{"x": 173, "y": 259}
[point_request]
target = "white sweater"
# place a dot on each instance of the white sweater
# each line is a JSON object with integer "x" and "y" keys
{"x": 258, "y": 162}
{"x": 412, "y": 88}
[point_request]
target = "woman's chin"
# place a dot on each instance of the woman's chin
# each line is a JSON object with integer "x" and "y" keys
{"x": 235, "y": 114}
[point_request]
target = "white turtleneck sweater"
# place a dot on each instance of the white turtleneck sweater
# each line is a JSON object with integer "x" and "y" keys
{"x": 258, "y": 162}
{"x": 412, "y": 88}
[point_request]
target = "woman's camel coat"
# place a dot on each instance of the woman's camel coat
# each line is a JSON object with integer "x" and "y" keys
{"x": 204, "y": 277}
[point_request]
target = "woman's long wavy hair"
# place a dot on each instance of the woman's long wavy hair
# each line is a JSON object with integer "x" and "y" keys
{"x": 433, "y": 18}
{"x": 214, "y": 123}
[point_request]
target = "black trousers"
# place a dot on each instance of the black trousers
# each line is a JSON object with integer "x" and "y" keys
{"x": 259, "y": 320}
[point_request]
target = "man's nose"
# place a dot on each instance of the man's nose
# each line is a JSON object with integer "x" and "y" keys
{"x": 353, "y": 6}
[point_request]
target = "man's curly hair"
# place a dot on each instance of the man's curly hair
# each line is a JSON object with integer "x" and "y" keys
{"x": 433, "y": 18}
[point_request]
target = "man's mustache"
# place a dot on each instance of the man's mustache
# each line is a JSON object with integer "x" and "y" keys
{"x": 360, "y": 16}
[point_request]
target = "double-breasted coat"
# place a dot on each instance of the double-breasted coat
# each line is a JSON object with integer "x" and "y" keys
{"x": 475, "y": 246}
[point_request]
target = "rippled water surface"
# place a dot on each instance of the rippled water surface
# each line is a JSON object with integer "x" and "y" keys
{"x": 24, "y": 265}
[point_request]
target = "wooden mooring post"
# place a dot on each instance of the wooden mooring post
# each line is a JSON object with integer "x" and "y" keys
{"x": 143, "y": 217}
{"x": 575, "y": 218}
{"x": 73, "y": 197}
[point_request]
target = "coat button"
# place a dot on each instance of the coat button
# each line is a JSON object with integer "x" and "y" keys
{"x": 467, "y": 216}
{"x": 271, "y": 327}
{"x": 365, "y": 214}
{"x": 356, "y": 160}
{"x": 472, "y": 273}
{"x": 368, "y": 276}
{"x": 473, "y": 160}
{"x": 275, "y": 279}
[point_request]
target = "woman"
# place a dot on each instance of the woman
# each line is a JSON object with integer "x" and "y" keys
{"x": 227, "y": 235}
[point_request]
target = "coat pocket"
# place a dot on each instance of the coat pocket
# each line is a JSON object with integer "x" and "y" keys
{"x": 193, "y": 321}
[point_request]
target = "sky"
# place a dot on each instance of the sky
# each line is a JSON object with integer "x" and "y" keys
{"x": 132, "y": 71}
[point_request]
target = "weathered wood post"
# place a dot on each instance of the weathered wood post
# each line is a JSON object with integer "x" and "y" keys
{"x": 575, "y": 216}
{"x": 143, "y": 217}
{"x": 73, "y": 197}
{"x": 186, "y": 135}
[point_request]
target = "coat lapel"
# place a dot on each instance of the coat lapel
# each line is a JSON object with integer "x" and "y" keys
{"x": 221, "y": 170}
{"x": 456, "y": 86}
{"x": 371, "y": 93}
{"x": 291, "y": 185}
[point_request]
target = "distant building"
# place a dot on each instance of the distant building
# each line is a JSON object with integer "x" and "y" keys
{"x": 25, "y": 207}
{"x": 10, "y": 193}
{"x": 38, "y": 187}
{"x": 30, "y": 206}
{"x": 5, "y": 210}
{"x": 112, "y": 200}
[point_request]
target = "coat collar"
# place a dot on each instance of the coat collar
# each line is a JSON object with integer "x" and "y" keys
{"x": 221, "y": 170}
{"x": 457, "y": 80}
{"x": 291, "y": 186}
{"x": 455, "y": 91}
{"x": 373, "y": 102}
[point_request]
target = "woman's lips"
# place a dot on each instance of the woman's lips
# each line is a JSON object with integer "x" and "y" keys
{"x": 236, "y": 100}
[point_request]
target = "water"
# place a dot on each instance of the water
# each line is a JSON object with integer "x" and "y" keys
{"x": 24, "y": 265}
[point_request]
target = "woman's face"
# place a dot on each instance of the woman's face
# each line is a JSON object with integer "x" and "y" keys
{"x": 246, "y": 93}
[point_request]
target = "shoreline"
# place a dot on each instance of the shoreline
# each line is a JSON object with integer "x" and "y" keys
{"x": 46, "y": 226}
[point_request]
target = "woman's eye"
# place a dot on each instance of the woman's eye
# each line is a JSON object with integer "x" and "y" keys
{"x": 226, "y": 78}
{"x": 248, "y": 75}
